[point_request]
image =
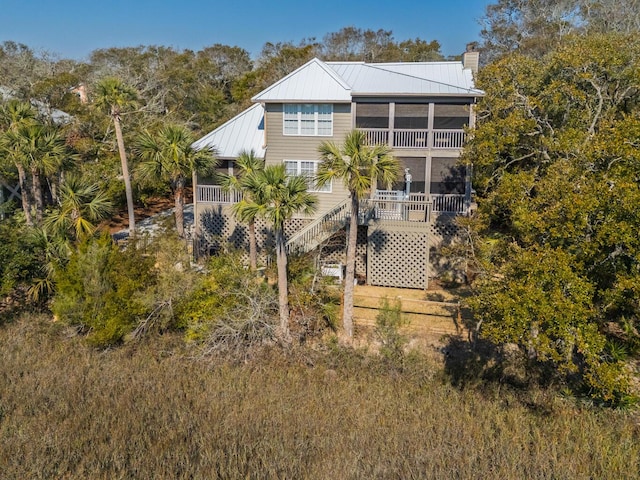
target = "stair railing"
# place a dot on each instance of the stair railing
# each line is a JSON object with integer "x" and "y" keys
{"x": 320, "y": 229}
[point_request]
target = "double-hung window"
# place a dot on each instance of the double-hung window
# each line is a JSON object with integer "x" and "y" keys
{"x": 306, "y": 119}
{"x": 306, "y": 169}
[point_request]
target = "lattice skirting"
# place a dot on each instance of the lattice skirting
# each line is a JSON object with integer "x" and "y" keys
{"x": 398, "y": 258}
{"x": 219, "y": 228}
{"x": 442, "y": 234}
{"x": 384, "y": 257}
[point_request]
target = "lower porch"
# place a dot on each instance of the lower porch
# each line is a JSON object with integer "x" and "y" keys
{"x": 392, "y": 204}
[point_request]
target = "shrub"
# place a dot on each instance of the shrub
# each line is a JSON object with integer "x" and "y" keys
{"x": 20, "y": 257}
{"x": 315, "y": 302}
{"x": 99, "y": 289}
{"x": 388, "y": 323}
{"x": 110, "y": 293}
{"x": 231, "y": 310}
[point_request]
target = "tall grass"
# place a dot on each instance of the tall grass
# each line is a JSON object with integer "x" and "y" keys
{"x": 151, "y": 411}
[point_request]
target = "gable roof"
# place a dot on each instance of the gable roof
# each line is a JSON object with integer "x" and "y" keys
{"x": 318, "y": 81}
{"x": 245, "y": 131}
{"x": 314, "y": 81}
{"x": 336, "y": 82}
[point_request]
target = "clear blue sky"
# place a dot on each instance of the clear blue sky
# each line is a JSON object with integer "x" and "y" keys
{"x": 73, "y": 28}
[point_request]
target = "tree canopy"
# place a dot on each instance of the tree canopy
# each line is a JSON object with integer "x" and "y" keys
{"x": 557, "y": 173}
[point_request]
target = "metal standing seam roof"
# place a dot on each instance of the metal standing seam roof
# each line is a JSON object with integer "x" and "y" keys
{"x": 420, "y": 78}
{"x": 317, "y": 81}
{"x": 314, "y": 81}
{"x": 245, "y": 131}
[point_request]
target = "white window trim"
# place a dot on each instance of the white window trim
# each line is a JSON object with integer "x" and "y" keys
{"x": 328, "y": 186}
{"x": 299, "y": 120}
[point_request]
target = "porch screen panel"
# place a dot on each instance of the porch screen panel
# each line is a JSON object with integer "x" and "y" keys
{"x": 447, "y": 176}
{"x": 372, "y": 115}
{"x": 225, "y": 167}
{"x": 417, "y": 167}
{"x": 411, "y": 116}
{"x": 450, "y": 117}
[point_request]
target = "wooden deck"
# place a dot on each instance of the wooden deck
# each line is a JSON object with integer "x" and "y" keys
{"x": 431, "y": 314}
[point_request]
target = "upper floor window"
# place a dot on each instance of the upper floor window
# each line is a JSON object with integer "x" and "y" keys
{"x": 308, "y": 119}
{"x": 306, "y": 169}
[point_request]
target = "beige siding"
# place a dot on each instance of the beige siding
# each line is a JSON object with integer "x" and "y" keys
{"x": 288, "y": 147}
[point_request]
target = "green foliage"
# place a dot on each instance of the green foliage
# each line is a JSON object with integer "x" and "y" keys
{"x": 388, "y": 323}
{"x": 99, "y": 290}
{"x": 535, "y": 27}
{"x": 556, "y": 233}
{"x": 230, "y": 310}
{"x": 315, "y": 301}
{"x": 540, "y": 304}
{"x": 112, "y": 295}
{"x": 20, "y": 257}
{"x": 357, "y": 164}
{"x": 169, "y": 156}
{"x": 81, "y": 206}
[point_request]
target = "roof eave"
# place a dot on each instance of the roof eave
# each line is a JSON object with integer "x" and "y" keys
{"x": 471, "y": 94}
{"x": 306, "y": 100}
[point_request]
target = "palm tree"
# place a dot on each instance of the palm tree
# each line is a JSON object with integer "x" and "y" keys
{"x": 169, "y": 156}
{"x": 359, "y": 165}
{"x": 81, "y": 206}
{"x": 278, "y": 198}
{"x": 246, "y": 163}
{"x": 14, "y": 114}
{"x": 113, "y": 96}
{"x": 42, "y": 150}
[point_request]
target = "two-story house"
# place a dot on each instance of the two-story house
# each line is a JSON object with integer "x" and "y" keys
{"x": 421, "y": 110}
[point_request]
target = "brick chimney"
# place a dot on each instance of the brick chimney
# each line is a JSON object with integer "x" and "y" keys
{"x": 471, "y": 58}
{"x": 81, "y": 91}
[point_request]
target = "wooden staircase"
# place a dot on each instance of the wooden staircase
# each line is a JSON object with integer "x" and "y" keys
{"x": 321, "y": 229}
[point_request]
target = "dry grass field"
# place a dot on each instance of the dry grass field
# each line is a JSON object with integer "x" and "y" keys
{"x": 158, "y": 410}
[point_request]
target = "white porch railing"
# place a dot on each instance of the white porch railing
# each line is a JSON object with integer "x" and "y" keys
{"x": 377, "y": 136}
{"x": 411, "y": 138}
{"x": 216, "y": 194}
{"x": 393, "y": 205}
{"x": 404, "y": 138}
{"x": 448, "y": 139}
{"x": 448, "y": 203}
{"x": 320, "y": 229}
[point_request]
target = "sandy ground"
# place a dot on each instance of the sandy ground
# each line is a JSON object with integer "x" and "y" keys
{"x": 432, "y": 315}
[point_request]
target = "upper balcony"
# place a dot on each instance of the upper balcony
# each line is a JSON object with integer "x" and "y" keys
{"x": 414, "y": 125}
{"x": 445, "y": 139}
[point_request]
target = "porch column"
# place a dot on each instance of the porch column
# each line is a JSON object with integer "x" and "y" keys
{"x": 392, "y": 121}
{"x": 430, "y": 128}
